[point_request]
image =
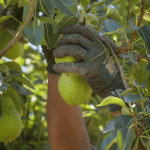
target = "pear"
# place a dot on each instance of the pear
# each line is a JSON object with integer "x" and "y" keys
{"x": 16, "y": 99}
{"x": 10, "y": 123}
{"x": 72, "y": 87}
{"x": 67, "y": 59}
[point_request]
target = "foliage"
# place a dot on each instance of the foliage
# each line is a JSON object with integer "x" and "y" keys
{"x": 115, "y": 19}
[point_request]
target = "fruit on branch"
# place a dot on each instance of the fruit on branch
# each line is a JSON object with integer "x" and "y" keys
{"x": 66, "y": 59}
{"x": 16, "y": 50}
{"x": 10, "y": 123}
{"x": 72, "y": 87}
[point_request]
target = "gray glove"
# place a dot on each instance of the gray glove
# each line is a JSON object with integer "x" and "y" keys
{"x": 94, "y": 63}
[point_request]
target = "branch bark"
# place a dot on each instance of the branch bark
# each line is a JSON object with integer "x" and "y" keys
{"x": 138, "y": 24}
{"x": 19, "y": 34}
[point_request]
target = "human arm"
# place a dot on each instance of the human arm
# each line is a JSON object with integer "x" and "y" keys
{"x": 65, "y": 124}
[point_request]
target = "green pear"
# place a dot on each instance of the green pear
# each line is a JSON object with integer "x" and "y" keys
{"x": 73, "y": 89}
{"x": 16, "y": 50}
{"x": 66, "y": 59}
{"x": 10, "y": 123}
{"x": 16, "y": 100}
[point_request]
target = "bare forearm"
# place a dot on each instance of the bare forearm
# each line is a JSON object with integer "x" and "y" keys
{"x": 66, "y": 126}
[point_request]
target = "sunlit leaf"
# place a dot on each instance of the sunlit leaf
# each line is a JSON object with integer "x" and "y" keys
{"x": 112, "y": 100}
{"x": 5, "y": 18}
{"x": 23, "y": 3}
{"x": 24, "y": 81}
{"x": 20, "y": 89}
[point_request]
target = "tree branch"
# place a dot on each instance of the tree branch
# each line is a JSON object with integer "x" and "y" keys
{"x": 138, "y": 24}
{"x": 19, "y": 34}
{"x": 118, "y": 64}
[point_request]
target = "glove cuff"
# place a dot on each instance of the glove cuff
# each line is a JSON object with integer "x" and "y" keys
{"x": 48, "y": 53}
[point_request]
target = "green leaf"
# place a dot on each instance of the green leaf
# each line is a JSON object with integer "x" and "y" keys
{"x": 107, "y": 140}
{"x": 129, "y": 90}
{"x": 47, "y": 20}
{"x": 130, "y": 98}
{"x": 15, "y": 73}
{"x": 47, "y": 7}
{"x": 147, "y": 121}
{"x": 122, "y": 121}
{"x": 148, "y": 67}
{"x": 2, "y": 2}
{"x": 5, "y": 18}
{"x": 121, "y": 137}
{"x": 114, "y": 147}
{"x": 110, "y": 25}
{"x": 20, "y": 89}
{"x": 25, "y": 12}
{"x": 109, "y": 126}
{"x": 84, "y": 3}
{"x": 129, "y": 139}
{"x": 125, "y": 111}
{"x": 136, "y": 143}
{"x": 144, "y": 32}
{"x": 108, "y": 2}
{"x": 112, "y": 100}
{"x": 66, "y": 21}
{"x": 33, "y": 32}
{"x": 132, "y": 56}
{"x": 125, "y": 138}
{"x": 23, "y": 3}
{"x": 24, "y": 81}
{"x": 49, "y": 37}
{"x": 68, "y": 7}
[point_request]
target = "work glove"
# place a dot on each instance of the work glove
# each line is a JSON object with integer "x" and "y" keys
{"x": 94, "y": 64}
{"x": 48, "y": 53}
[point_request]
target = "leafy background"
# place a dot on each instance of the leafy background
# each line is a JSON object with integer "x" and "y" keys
{"x": 107, "y": 16}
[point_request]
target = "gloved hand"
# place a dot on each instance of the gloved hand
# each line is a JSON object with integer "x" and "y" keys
{"x": 94, "y": 63}
{"x": 50, "y": 59}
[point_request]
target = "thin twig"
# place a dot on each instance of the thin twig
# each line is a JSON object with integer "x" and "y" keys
{"x": 138, "y": 24}
{"x": 19, "y": 34}
{"x": 118, "y": 64}
{"x": 129, "y": 13}
{"x": 135, "y": 123}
